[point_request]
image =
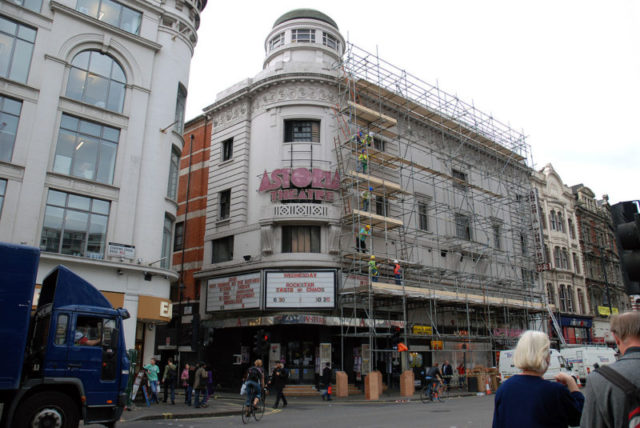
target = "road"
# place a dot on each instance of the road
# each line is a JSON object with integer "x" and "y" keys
{"x": 461, "y": 412}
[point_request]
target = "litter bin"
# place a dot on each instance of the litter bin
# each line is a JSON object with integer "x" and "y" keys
{"x": 472, "y": 383}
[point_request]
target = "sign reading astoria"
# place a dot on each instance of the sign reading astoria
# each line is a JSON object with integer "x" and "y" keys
{"x": 300, "y": 184}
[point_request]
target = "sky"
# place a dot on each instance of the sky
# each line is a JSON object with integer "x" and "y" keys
{"x": 565, "y": 73}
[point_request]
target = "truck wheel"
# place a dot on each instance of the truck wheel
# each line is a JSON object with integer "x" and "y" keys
{"x": 47, "y": 409}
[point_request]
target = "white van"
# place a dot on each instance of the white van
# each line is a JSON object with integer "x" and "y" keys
{"x": 507, "y": 369}
{"x": 585, "y": 358}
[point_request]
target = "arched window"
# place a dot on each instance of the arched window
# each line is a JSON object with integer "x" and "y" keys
{"x": 560, "y": 222}
{"x": 97, "y": 79}
{"x": 556, "y": 258}
{"x": 551, "y": 296}
{"x": 569, "y": 298}
{"x": 562, "y": 295}
{"x": 552, "y": 216}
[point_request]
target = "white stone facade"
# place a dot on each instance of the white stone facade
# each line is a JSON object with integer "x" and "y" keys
{"x": 151, "y": 43}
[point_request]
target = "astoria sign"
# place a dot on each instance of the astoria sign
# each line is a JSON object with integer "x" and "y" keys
{"x": 300, "y": 184}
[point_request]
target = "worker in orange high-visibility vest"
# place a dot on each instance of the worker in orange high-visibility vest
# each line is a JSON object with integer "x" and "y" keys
{"x": 397, "y": 272}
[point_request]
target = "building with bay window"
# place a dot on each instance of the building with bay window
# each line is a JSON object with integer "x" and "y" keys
{"x": 92, "y": 111}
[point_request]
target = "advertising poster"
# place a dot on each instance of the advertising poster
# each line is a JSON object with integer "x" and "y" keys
{"x": 300, "y": 289}
{"x": 233, "y": 292}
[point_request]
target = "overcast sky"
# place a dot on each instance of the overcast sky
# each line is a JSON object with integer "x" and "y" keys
{"x": 566, "y": 73}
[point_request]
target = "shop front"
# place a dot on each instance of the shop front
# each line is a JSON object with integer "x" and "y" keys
{"x": 576, "y": 329}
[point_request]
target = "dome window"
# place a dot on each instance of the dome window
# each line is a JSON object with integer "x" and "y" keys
{"x": 276, "y": 42}
{"x": 303, "y": 35}
{"x": 329, "y": 41}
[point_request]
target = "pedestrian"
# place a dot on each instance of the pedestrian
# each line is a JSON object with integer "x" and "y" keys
{"x": 277, "y": 383}
{"x": 200, "y": 385}
{"x": 254, "y": 379}
{"x": 361, "y": 238}
{"x": 605, "y": 402}
{"x": 185, "y": 376}
{"x": 210, "y": 385}
{"x": 461, "y": 375}
{"x": 447, "y": 372}
{"x": 373, "y": 269}
{"x": 366, "y": 197}
{"x": 363, "y": 162}
{"x": 153, "y": 371}
{"x": 527, "y": 399}
{"x": 397, "y": 272}
{"x": 326, "y": 382}
{"x": 169, "y": 379}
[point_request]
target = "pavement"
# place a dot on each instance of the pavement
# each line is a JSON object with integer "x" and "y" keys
{"x": 226, "y": 404}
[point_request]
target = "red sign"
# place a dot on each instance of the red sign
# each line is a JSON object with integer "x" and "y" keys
{"x": 300, "y": 184}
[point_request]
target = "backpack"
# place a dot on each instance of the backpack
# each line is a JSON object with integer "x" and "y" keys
{"x": 254, "y": 374}
{"x": 631, "y": 392}
{"x": 171, "y": 374}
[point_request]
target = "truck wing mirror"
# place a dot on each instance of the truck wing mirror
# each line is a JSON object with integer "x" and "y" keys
{"x": 124, "y": 314}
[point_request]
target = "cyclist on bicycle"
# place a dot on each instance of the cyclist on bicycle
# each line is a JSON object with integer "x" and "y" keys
{"x": 433, "y": 377}
{"x": 255, "y": 383}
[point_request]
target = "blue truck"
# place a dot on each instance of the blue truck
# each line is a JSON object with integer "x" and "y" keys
{"x": 64, "y": 362}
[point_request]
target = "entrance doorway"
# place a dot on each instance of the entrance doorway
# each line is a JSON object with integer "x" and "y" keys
{"x": 301, "y": 356}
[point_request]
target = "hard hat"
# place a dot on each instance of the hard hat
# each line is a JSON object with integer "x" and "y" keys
{"x": 395, "y": 261}
{"x": 373, "y": 257}
{"x": 368, "y": 227}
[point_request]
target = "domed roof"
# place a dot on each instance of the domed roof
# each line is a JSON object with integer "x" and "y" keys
{"x": 305, "y": 13}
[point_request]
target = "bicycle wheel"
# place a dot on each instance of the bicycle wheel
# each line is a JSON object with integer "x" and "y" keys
{"x": 245, "y": 417}
{"x": 424, "y": 395}
{"x": 442, "y": 392}
{"x": 259, "y": 412}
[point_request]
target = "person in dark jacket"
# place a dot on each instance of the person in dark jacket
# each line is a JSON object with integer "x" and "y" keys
{"x": 326, "y": 382}
{"x": 527, "y": 400}
{"x": 169, "y": 379}
{"x": 447, "y": 372}
{"x": 277, "y": 383}
{"x": 200, "y": 385}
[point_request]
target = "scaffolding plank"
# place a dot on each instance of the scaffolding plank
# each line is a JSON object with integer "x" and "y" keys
{"x": 380, "y": 186}
{"x": 376, "y": 221}
{"x": 370, "y": 116}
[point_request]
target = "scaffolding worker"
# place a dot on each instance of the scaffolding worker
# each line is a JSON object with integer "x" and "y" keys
{"x": 363, "y": 162}
{"x": 366, "y": 196}
{"x": 361, "y": 238}
{"x": 373, "y": 269}
{"x": 397, "y": 272}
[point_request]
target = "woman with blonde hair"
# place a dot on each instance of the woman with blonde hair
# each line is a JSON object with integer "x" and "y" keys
{"x": 527, "y": 400}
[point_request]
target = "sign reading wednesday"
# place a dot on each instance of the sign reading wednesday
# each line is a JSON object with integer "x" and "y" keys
{"x": 300, "y": 184}
{"x": 300, "y": 289}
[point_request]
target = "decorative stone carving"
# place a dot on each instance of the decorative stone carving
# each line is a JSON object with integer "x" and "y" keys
{"x": 334, "y": 239}
{"x": 293, "y": 92}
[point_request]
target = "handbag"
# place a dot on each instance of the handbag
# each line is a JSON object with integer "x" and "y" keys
{"x": 243, "y": 389}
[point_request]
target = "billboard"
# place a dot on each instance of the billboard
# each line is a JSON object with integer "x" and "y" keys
{"x": 233, "y": 292}
{"x": 300, "y": 289}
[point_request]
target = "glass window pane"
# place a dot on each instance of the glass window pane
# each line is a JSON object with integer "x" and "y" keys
{"x": 69, "y": 122}
{"x": 111, "y": 134}
{"x": 75, "y": 232}
{"x": 52, "y": 228}
{"x": 117, "y": 73}
{"x": 11, "y": 106}
{"x": 100, "y": 64}
{"x": 3, "y": 187}
{"x": 75, "y": 86}
{"x": 96, "y": 91}
{"x": 116, "y": 96}
{"x": 56, "y": 198}
{"x": 97, "y": 234}
{"x": 100, "y": 206}
{"x": 7, "y": 26}
{"x": 90, "y": 128}
{"x": 107, "y": 161}
{"x": 6, "y": 47}
{"x": 21, "y": 61}
{"x": 82, "y": 60}
{"x": 110, "y": 12}
{"x": 130, "y": 20}
{"x": 79, "y": 202}
{"x": 86, "y": 153}
{"x": 89, "y": 7}
{"x": 61, "y": 329}
{"x": 64, "y": 152}
{"x": 27, "y": 34}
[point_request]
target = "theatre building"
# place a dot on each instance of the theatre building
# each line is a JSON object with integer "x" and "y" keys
{"x": 291, "y": 151}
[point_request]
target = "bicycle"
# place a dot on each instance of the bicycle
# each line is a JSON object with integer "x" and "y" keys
{"x": 256, "y": 411}
{"x": 440, "y": 393}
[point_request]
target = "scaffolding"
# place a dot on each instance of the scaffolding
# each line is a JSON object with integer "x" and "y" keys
{"x": 449, "y": 188}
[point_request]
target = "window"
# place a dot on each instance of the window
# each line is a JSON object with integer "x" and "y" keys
{"x": 9, "y": 116}
{"x": 61, "y": 329}
{"x": 301, "y": 131}
{"x": 564, "y": 259}
{"x": 547, "y": 254}
{"x": 552, "y": 220}
{"x": 556, "y": 258}
{"x": 459, "y": 179}
{"x": 569, "y": 298}
{"x": 572, "y": 230}
{"x": 276, "y": 41}
{"x": 329, "y": 41}
{"x": 560, "y": 222}
{"x": 382, "y": 206}
{"x": 227, "y": 149}
{"x": 3, "y": 190}
{"x": 496, "y": 236}
{"x": 174, "y": 172}
{"x": 16, "y": 48}
{"x": 423, "y": 220}
{"x": 97, "y": 79}
{"x": 34, "y": 5}
{"x": 167, "y": 233}
{"x": 550, "y": 294}
{"x": 303, "y": 36}
{"x": 181, "y": 102}
{"x": 581, "y": 301}
{"x": 74, "y": 225}
{"x": 576, "y": 264}
{"x": 523, "y": 244}
{"x": 300, "y": 239}
{"x": 178, "y": 237}
{"x": 222, "y": 249}
{"x": 86, "y": 149}
{"x": 224, "y": 204}
{"x": 112, "y": 13}
{"x": 562, "y": 295}
{"x": 543, "y": 218}
{"x": 463, "y": 227}
{"x": 88, "y": 331}
{"x": 527, "y": 277}
{"x": 378, "y": 144}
